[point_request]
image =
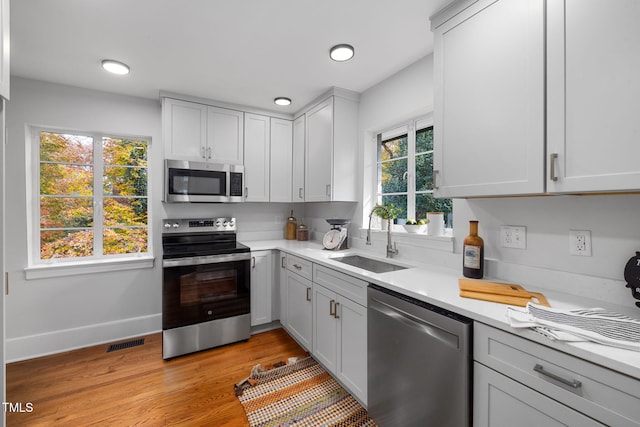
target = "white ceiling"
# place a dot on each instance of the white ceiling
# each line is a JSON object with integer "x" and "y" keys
{"x": 238, "y": 51}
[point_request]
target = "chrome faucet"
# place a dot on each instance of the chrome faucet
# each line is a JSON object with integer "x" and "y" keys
{"x": 391, "y": 249}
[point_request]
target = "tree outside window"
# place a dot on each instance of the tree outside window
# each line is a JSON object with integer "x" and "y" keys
{"x": 405, "y": 173}
{"x": 92, "y": 196}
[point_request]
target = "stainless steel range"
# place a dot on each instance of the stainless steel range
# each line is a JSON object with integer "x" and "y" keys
{"x": 205, "y": 285}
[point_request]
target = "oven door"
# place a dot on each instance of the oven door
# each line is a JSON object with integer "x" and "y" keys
{"x": 205, "y": 288}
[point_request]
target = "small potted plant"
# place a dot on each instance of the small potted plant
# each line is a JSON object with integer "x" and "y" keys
{"x": 390, "y": 213}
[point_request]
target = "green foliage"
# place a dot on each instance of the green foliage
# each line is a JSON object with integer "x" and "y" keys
{"x": 66, "y": 202}
{"x": 393, "y": 171}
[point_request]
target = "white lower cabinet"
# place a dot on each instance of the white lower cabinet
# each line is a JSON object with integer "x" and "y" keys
{"x": 501, "y": 401}
{"x": 340, "y": 329}
{"x": 261, "y": 287}
{"x": 520, "y": 382}
{"x": 298, "y": 309}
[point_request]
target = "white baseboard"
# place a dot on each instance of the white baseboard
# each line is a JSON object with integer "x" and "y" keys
{"x": 33, "y": 346}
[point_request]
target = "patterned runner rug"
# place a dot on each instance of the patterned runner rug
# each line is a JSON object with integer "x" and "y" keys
{"x": 299, "y": 393}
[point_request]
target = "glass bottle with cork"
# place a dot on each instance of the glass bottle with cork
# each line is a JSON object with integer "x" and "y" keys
{"x": 473, "y": 253}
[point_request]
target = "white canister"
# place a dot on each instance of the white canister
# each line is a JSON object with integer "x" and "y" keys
{"x": 435, "y": 226}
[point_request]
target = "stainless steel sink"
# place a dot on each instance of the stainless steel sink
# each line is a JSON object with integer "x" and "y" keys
{"x": 369, "y": 264}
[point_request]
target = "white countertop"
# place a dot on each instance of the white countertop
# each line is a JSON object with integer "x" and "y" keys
{"x": 439, "y": 286}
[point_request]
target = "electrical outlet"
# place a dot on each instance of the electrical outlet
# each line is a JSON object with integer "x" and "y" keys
{"x": 513, "y": 236}
{"x": 580, "y": 242}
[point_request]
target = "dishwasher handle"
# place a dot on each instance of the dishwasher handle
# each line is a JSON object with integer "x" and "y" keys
{"x": 415, "y": 323}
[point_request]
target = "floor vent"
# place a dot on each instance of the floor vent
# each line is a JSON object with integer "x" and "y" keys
{"x": 123, "y": 345}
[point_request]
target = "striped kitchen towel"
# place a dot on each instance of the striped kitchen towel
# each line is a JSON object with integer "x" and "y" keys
{"x": 589, "y": 324}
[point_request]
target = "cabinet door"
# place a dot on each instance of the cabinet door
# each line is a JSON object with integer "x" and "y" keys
{"x": 281, "y": 160}
{"x": 283, "y": 288}
{"x": 299, "y": 309}
{"x": 489, "y": 100}
{"x": 4, "y": 49}
{"x": 260, "y": 287}
{"x": 501, "y": 401}
{"x": 298, "y": 159}
{"x": 256, "y": 157}
{"x": 319, "y": 152}
{"x": 324, "y": 327}
{"x": 352, "y": 347}
{"x": 593, "y": 107}
{"x": 225, "y": 138}
{"x": 184, "y": 130}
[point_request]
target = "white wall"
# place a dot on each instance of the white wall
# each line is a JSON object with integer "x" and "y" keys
{"x": 51, "y": 315}
{"x": 546, "y": 263}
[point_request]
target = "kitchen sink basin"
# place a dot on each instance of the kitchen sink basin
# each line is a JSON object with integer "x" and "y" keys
{"x": 369, "y": 264}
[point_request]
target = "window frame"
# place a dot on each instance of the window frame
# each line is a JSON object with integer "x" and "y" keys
{"x": 408, "y": 128}
{"x": 98, "y": 262}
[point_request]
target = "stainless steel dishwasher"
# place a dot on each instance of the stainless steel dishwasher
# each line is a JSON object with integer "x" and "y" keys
{"x": 419, "y": 362}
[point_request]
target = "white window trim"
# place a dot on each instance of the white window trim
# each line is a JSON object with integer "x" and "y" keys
{"x": 444, "y": 242}
{"x": 37, "y": 268}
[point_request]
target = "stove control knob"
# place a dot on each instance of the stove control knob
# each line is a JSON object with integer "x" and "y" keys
{"x": 167, "y": 225}
{"x": 209, "y": 312}
{"x": 175, "y": 225}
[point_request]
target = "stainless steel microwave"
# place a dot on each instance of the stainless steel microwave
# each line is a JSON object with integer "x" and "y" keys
{"x": 200, "y": 182}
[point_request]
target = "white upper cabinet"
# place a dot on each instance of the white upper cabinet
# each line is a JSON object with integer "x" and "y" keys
{"x": 593, "y": 60}
{"x": 184, "y": 130}
{"x": 298, "y": 159}
{"x": 319, "y": 151}
{"x": 281, "y": 160}
{"x": 331, "y": 142}
{"x": 491, "y": 134}
{"x": 257, "y": 133}
{"x": 198, "y": 132}
{"x": 225, "y": 135}
{"x": 489, "y": 98}
{"x": 4, "y": 49}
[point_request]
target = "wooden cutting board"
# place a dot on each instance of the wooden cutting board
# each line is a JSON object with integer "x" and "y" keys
{"x": 503, "y": 293}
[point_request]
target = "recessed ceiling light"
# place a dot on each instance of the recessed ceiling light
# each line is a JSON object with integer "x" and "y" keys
{"x": 341, "y": 52}
{"x": 281, "y": 100}
{"x": 115, "y": 67}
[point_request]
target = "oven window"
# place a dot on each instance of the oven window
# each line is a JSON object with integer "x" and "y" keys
{"x": 208, "y": 286}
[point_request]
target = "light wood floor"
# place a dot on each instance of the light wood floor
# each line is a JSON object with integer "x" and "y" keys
{"x": 135, "y": 386}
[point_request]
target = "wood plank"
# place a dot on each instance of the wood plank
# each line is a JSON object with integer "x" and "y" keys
{"x": 135, "y": 386}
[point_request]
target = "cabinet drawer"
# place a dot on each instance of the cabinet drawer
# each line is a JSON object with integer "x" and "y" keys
{"x": 345, "y": 285}
{"x": 605, "y": 395}
{"x": 299, "y": 266}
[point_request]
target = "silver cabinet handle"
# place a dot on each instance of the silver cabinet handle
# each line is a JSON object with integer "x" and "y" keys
{"x": 300, "y": 194}
{"x": 203, "y": 155}
{"x": 209, "y": 152}
{"x": 335, "y": 310}
{"x": 298, "y": 267}
{"x": 571, "y": 383}
{"x": 328, "y": 190}
{"x": 282, "y": 260}
{"x": 332, "y": 308}
{"x": 253, "y": 262}
{"x": 308, "y": 295}
{"x": 553, "y": 159}
{"x": 435, "y": 181}
{"x": 246, "y": 192}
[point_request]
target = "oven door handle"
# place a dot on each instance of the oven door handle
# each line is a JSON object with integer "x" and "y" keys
{"x": 209, "y": 259}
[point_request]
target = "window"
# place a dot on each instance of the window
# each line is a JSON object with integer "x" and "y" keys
{"x": 90, "y": 197}
{"x": 405, "y": 172}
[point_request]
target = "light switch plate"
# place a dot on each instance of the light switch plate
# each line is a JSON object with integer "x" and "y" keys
{"x": 512, "y": 236}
